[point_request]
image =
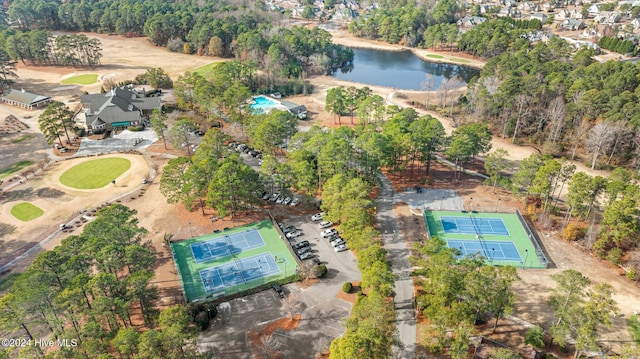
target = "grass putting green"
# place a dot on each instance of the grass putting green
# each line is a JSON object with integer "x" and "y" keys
{"x": 26, "y": 211}
{"x": 16, "y": 167}
{"x": 435, "y": 56}
{"x": 84, "y": 79}
{"x": 95, "y": 173}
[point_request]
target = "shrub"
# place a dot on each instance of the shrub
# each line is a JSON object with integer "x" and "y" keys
{"x": 631, "y": 275}
{"x": 80, "y": 131}
{"x": 136, "y": 128}
{"x": 614, "y": 256}
{"x": 573, "y": 232}
{"x": 347, "y": 287}
{"x": 320, "y": 271}
{"x": 535, "y": 337}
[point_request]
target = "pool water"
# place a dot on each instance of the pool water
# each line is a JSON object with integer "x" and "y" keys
{"x": 262, "y": 104}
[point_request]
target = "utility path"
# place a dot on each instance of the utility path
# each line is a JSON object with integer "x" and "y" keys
{"x": 398, "y": 255}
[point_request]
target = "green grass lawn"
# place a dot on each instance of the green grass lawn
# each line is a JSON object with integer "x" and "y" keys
{"x": 95, "y": 173}
{"x": 206, "y": 69}
{"x": 26, "y": 211}
{"x": 435, "y": 56}
{"x": 16, "y": 167}
{"x": 84, "y": 79}
{"x": 22, "y": 138}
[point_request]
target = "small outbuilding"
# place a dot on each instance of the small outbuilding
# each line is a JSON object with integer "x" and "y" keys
{"x": 299, "y": 111}
{"x": 24, "y": 99}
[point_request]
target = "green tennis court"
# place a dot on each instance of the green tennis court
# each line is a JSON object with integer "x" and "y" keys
{"x": 502, "y": 238}
{"x": 226, "y": 262}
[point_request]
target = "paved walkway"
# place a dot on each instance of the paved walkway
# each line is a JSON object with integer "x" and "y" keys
{"x": 398, "y": 255}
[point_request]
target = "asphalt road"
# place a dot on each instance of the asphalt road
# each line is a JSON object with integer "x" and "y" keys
{"x": 398, "y": 255}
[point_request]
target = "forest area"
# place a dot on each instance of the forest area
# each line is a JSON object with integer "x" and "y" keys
{"x": 564, "y": 102}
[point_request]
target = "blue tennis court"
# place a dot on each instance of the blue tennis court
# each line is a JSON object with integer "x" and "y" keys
{"x": 226, "y": 245}
{"x": 474, "y": 225}
{"x": 238, "y": 272}
{"x": 492, "y": 250}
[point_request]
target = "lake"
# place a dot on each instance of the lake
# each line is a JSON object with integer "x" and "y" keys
{"x": 400, "y": 69}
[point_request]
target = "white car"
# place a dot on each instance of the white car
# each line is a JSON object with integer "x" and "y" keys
{"x": 341, "y": 248}
{"x": 328, "y": 232}
{"x": 325, "y": 224}
{"x": 338, "y": 243}
{"x": 316, "y": 217}
{"x": 286, "y": 201}
{"x": 294, "y": 202}
{"x": 274, "y": 197}
{"x": 293, "y": 234}
{"x": 279, "y": 199}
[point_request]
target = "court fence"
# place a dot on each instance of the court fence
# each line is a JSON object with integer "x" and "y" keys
{"x": 534, "y": 240}
{"x": 176, "y": 265}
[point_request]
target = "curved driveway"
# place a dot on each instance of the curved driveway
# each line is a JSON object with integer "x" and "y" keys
{"x": 398, "y": 255}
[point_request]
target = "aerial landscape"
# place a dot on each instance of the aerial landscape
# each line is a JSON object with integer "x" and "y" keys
{"x": 319, "y": 179}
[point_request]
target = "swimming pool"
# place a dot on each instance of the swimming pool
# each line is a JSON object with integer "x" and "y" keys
{"x": 262, "y": 104}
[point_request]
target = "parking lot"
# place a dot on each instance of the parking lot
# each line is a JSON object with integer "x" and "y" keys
{"x": 320, "y": 309}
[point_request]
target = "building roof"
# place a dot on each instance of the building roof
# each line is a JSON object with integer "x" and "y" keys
{"x": 292, "y": 107}
{"x": 118, "y": 105}
{"x": 23, "y": 97}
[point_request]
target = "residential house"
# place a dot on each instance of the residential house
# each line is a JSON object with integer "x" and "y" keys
{"x": 344, "y": 14}
{"x": 607, "y": 17}
{"x": 594, "y": 10}
{"x": 539, "y": 16}
{"x": 528, "y": 6}
{"x": 548, "y": 7}
{"x": 572, "y": 24}
{"x": 509, "y": 12}
{"x": 119, "y": 108}
{"x": 24, "y": 99}
{"x": 468, "y": 22}
{"x": 563, "y": 14}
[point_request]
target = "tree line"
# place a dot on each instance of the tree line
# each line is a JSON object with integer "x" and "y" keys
{"x": 42, "y": 48}
{"x": 600, "y": 212}
{"x": 215, "y": 28}
{"x": 87, "y": 291}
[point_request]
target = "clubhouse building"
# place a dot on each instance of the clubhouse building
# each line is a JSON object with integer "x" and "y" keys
{"x": 118, "y": 109}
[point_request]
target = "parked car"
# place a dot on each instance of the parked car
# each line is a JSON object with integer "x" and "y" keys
{"x": 333, "y": 237}
{"x": 325, "y": 224}
{"x": 301, "y": 244}
{"x": 307, "y": 255}
{"x": 315, "y": 260}
{"x": 274, "y": 197}
{"x": 293, "y": 234}
{"x": 266, "y": 196}
{"x": 316, "y": 217}
{"x": 339, "y": 242}
{"x": 328, "y": 232}
{"x": 303, "y": 250}
{"x": 340, "y": 248}
{"x": 294, "y": 202}
{"x": 278, "y": 289}
{"x": 279, "y": 199}
{"x": 286, "y": 201}
{"x": 289, "y": 229}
